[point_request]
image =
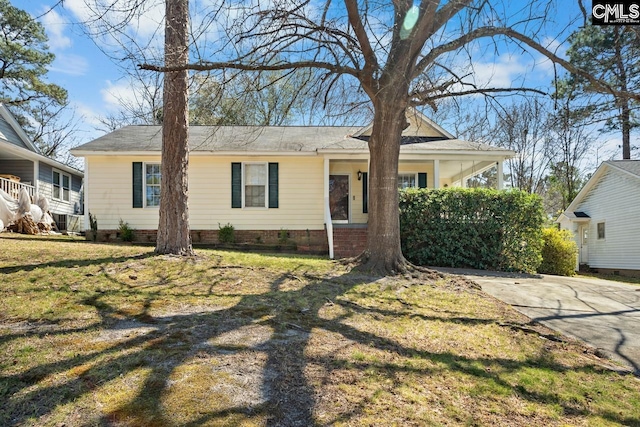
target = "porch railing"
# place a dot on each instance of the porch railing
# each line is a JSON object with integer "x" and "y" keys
{"x": 12, "y": 188}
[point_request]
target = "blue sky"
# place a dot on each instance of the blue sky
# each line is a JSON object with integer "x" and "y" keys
{"x": 80, "y": 67}
{"x": 95, "y": 82}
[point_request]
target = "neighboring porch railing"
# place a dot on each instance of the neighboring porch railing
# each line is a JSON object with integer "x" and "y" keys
{"x": 12, "y": 188}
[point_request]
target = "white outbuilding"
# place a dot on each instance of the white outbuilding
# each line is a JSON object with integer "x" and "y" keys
{"x": 605, "y": 219}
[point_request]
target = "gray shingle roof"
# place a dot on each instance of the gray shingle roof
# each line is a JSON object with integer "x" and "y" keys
{"x": 259, "y": 139}
{"x": 631, "y": 166}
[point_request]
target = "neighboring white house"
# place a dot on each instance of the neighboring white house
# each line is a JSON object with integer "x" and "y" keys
{"x": 307, "y": 181}
{"x": 604, "y": 219}
{"x": 22, "y": 166}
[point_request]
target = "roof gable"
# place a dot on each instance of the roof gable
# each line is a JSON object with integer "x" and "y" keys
{"x": 626, "y": 167}
{"x": 12, "y": 132}
{"x": 419, "y": 126}
{"x": 631, "y": 167}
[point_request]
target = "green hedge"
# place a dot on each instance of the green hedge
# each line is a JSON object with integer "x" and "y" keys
{"x": 473, "y": 228}
{"x": 558, "y": 253}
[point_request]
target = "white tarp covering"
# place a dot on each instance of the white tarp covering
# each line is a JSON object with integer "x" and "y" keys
{"x": 12, "y": 211}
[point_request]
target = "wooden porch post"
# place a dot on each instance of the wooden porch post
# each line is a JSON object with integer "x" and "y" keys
{"x": 327, "y": 209}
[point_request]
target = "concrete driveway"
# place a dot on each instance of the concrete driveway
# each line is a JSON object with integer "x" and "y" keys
{"x": 602, "y": 313}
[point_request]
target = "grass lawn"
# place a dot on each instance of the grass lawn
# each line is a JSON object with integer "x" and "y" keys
{"x": 113, "y": 335}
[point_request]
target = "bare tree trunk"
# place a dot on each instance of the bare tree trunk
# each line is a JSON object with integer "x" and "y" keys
{"x": 174, "y": 236}
{"x": 383, "y": 253}
{"x": 623, "y": 101}
{"x": 626, "y": 130}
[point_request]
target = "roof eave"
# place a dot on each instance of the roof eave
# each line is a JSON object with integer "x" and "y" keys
{"x": 30, "y": 155}
{"x": 88, "y": 153}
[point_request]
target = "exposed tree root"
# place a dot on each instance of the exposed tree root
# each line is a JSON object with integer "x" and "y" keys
{"x": 366, "y": 264}
{"x": 398, "y": 266}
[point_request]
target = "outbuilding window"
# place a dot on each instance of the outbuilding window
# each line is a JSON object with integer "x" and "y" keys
{"x": 601, "y": 233}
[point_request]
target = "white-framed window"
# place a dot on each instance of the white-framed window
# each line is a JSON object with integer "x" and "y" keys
{"x": 61, "y": 185}
{"x": 152, "y": 180}
{"x": 407, "y": 180}
{"x": 255, "y": 181}
{"x": 600, "y": 227}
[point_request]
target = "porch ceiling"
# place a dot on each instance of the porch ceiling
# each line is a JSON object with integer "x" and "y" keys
{"x": 5, "y": 155}
{"x": 451, "y": 169}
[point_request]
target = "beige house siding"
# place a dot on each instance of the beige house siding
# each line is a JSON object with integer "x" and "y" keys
{"x": 300, "y": 194}
{"x": 300, "y": 188}
{"x": 610, "y": 202}
{"x": 110, "y": 196}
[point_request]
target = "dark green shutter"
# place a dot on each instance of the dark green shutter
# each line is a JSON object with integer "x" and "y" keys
{"x": 137, "y": 185}
{"x": 365, "y": 192}
{"x": 236, "y": 185}
{"x": 273, "y": 185}
{"x": 422, "y": 180}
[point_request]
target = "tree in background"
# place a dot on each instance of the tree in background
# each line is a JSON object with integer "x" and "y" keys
{"x": 521, "y": 127}
{"x": 570, "y": 140}
{"x": 143, "y": 108}
{"x": 36, "y": 104}
{"x": 611, "y": 54}
{"x": 249, "y": 98}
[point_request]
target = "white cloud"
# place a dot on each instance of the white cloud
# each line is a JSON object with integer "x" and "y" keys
{"x": 503, "y": 72}
{"x": 71, "y": 64}
{"x": 55, "y": 26}
{"x": 142, "y": 27}
{"x": 79, "y": 9}
{"x": 544, "y": 65}
{"x": 116, "y": 94}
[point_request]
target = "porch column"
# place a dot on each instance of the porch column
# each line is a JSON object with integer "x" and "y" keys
{"x": 463, "y": 181}
{"x": 500, "y": 175}
{"x": 36, "y": 174}
{"x": 436, "y": 174}
{"x": 85, "y": 188}
{"x": 327, "y": 209}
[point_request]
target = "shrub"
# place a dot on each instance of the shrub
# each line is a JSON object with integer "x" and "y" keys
{"x": 558, "y": 252}
{"x": 126, "y": 232}
{"x": 283, "y": 236}
{"x": 226, "y": 233}
{"x": 476, "y": 228}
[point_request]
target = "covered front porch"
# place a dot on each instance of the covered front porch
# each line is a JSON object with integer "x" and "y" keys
{"x": 11, "y": 185}
{"x": 16, "y": 172}
{"x": 346, "y": 189}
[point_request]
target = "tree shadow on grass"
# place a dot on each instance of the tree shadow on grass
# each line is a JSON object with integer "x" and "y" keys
{"x": 66, "y": 263}
{"x": 254, "y": 357}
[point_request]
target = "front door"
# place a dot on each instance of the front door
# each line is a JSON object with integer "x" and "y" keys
{"x": 584, "y": 243}
{"x": 339, "y": 198}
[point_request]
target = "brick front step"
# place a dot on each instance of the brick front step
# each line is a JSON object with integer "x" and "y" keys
{"x": 348, "y": 241}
